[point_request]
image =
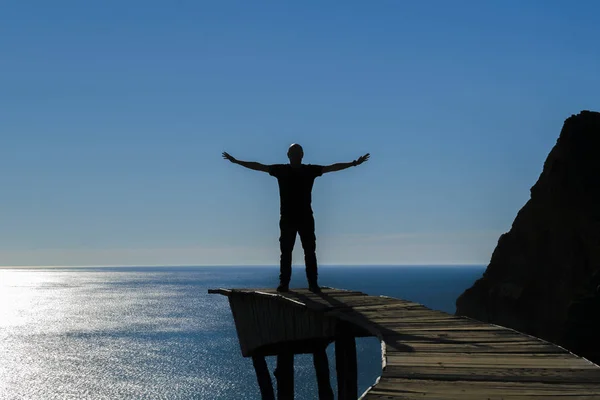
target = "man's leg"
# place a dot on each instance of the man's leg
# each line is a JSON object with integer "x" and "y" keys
{"x": 286, "y": 244}
{"x": 309, "y": 244}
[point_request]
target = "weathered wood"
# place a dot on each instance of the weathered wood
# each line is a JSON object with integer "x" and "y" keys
{"x": 262, "y": 320}
{"x": 224, "y": 292}
{"x": 492, "y": 348}
{"x": 306, "y": 346}
{"x": 472, "y": 373}
{"x": 403, "y": 385}
{"x": 321, "y": 364}
{"x": 489, "y": 360}
{"x": 264, "y": 378}
{"x": 426, "y": 354}
{"x": 346, "y": 367}
{"x": 284, "y": 373}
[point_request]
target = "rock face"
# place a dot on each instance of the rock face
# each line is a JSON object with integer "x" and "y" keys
{"x": 542, "y": 276}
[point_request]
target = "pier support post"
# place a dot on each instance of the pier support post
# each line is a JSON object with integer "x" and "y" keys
{"x": 284, "y": 373}
{"x": 263, "y": 377}
{"x": 346, "y": 368}
{"x": 322, "y": 368}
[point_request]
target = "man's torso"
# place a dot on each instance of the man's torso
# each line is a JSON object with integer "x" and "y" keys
{"x": 295, "y": 187}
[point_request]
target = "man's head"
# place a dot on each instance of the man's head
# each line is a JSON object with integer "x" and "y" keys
{"x": 295, "y": 154}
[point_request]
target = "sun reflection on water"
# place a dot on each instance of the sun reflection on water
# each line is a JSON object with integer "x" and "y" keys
{"x": 100, "y": 335}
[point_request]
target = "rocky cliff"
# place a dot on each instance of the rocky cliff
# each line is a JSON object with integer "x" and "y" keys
{"x": 541, "y": 279}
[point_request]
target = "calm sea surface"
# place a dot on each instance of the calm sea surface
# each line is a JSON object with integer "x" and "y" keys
{"x": 155, "y": 333}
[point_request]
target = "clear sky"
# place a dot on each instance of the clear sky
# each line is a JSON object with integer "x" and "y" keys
{"x": 114, "y": 114}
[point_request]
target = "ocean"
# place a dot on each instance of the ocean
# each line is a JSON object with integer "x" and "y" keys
{"x": 155, "y": 333}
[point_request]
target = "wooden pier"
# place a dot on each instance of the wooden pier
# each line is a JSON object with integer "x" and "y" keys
{"x": 426, "y": 354}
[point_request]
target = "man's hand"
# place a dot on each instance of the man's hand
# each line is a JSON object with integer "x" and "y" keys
{"x": 227, "y": 156}
{"x": 362, "y": 159}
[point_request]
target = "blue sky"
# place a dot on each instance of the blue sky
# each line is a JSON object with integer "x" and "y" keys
{"x": 114, "y": 116}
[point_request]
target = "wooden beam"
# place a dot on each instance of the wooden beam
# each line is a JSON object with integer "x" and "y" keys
{"x": 264, "y": 378}
{"x": 284, "y": 373}
{"x": 346, "y": 368}
{"x": 224, "y": 292}
{"x": 266, "y": 321}
{"x": 322, "y": 369}
{"x": 306, "y": 346}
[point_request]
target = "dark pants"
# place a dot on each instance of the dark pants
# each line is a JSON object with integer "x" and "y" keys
{"x": 305, "y": 226}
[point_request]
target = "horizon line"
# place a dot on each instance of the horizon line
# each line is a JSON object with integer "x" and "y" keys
{"x": 239, "y": 265}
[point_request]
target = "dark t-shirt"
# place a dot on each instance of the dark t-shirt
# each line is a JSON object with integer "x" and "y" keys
{"x": 295, "y": 186}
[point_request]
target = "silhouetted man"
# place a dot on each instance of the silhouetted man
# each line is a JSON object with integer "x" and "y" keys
{"x": 295, "y": 186}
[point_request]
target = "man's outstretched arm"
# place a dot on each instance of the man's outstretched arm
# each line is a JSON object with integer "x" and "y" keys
{"x": 248, "y": 164}
{"x": 341, "y": 166}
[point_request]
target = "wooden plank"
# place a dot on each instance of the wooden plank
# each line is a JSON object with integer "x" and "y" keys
{"x": 361, "y": 298}
{"x": 376, "y": 308}
{"x": 410, "y": 319}
{"x": 342, "y": 293}
{"x": 412, "y": 316}
{"x": 325, "y": 294}
{"x": 501, "y": 347}
{"x": 278, "y": 296}
{"x": 402, "y": 327}
{"x": 484, "y": 339}
{"x": 455, "y": 336}
{"x": 408, "y": 324}
{"x": 566, "y": 358}
{"x": 224, "y": 292}
{"x": 489, "y": 361}
{"x": 520, "y": 374}
{"x": 317, "y": 302}
{"x": 486, "y": 387}
{"x": 376, "y": 303}
{"x": 370, "y": 301}
{"x": 376, "y": 394}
